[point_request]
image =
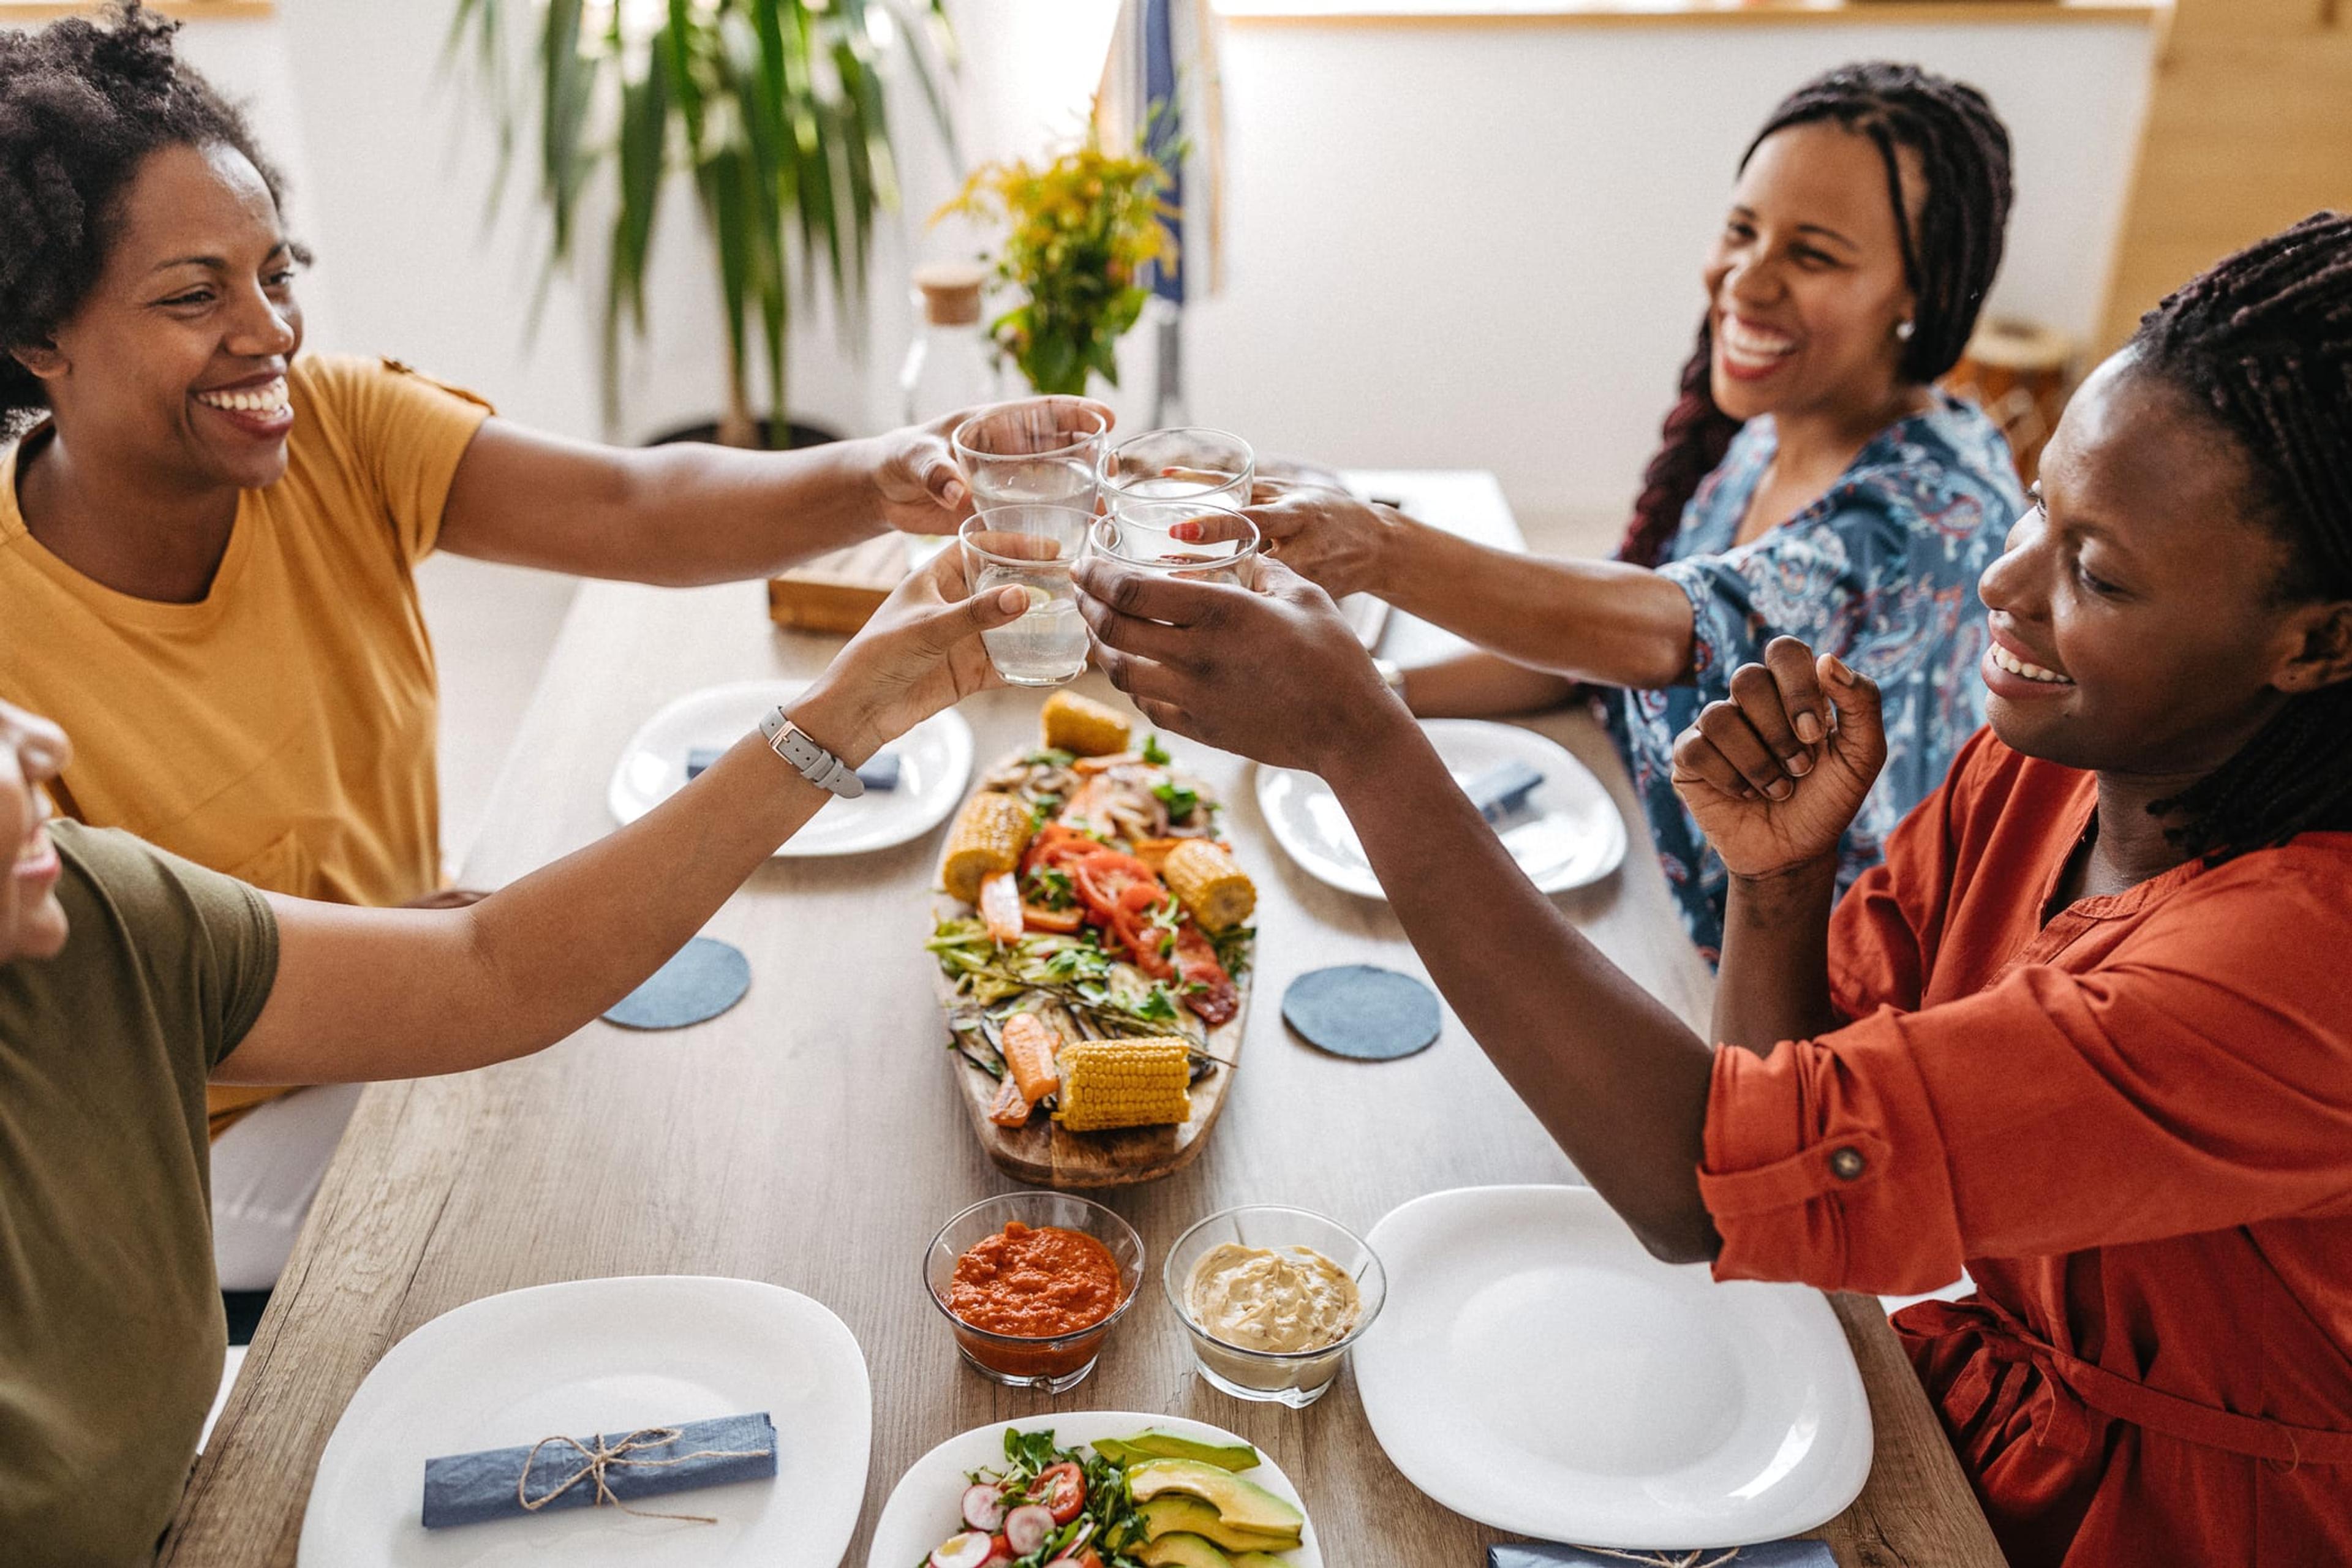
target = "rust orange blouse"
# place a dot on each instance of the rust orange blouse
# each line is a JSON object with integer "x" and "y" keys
{"x": 2133, "y": 1125}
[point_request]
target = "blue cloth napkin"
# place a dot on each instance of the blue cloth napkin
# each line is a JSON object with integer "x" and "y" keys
{"x": 468, "y": 1489}
{"x": 1767, "y": 1555}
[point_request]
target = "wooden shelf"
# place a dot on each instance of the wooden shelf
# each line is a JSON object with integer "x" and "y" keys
{"x": 1653, "y": 12}
{"x": 21, "y": 11}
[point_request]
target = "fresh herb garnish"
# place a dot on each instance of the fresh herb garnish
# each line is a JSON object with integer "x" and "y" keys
{"x": 1181, "y": 800}
{"x": 1154, "y": 753}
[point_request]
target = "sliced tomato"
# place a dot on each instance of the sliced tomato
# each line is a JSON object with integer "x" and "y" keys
{"x": 1208, "y": 989}
{"x": 1000, "y": 1552}
{"x": 1062, "y": 923}
{"x": 1062, "y": 1489}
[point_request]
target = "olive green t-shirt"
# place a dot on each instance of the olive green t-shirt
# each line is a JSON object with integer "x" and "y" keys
{"x": 110, "y": 1328}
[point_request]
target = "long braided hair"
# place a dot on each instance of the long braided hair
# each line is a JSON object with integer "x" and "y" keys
{"x": 1948, "y": 261}
{"x": 2262, "y": 344}
{"x": 82, "y": 104}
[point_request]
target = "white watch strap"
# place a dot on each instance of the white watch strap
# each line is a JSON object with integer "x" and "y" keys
{"x": 813, "y": 762}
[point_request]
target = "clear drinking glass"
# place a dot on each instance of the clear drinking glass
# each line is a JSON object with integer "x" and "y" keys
{"x": 1191, "y": 540}
{"x": 1034, "y": 548}
{"x": 1042, "y": 452}
{"x": 1191, "y": 464}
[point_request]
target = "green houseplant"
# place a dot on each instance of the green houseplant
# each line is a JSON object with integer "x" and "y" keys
{"x": 775, "y": 110}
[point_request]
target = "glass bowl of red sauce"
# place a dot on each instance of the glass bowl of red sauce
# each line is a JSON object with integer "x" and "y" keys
{"x": 1032, "y": 1283}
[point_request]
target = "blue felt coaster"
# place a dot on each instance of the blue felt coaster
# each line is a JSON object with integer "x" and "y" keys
{"x": 702, "y": 980}
{"x": 1356, "y": 1010}
{"x": 1767, "y": 1555}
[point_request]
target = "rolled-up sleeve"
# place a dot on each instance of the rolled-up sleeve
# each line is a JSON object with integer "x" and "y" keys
{"x": 2201, "y": 1078}
{"x": 1813, "y": 578}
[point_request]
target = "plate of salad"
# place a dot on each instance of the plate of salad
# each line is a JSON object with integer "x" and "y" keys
{"x": 1102, "y": 1488}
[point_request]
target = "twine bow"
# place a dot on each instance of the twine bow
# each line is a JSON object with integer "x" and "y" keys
{"x": 607, "y": 1454}
{"x": 1698, "y": 1559}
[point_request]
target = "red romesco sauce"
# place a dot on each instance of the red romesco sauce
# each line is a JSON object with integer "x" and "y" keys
{"x": 1035, "y": 1282}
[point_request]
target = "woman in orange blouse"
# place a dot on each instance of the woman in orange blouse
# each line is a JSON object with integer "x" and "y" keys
{"x": 2087, "y": 1031}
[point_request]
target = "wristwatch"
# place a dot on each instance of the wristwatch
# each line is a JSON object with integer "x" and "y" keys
{"x": 813, "y": 762}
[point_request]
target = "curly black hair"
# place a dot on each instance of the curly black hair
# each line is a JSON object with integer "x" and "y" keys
{"x": 2260, "y": 344}
{"x": 82, "y": 105}
{"x": 1949, "y": 255}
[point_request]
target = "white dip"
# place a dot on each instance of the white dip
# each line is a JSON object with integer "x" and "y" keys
{"x": 1255, "y": 1299}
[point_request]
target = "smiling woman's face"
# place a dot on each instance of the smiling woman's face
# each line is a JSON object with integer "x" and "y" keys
{"x": 1805, "y": 284}
{"x": 2136, "y": 617}
{"x": 32, "y": 751}
{"x": 176, "y": 362}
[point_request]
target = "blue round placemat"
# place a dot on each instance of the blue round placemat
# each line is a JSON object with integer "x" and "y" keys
{"x": 1356, "y": 1010}
{"x": 702, "y": 980}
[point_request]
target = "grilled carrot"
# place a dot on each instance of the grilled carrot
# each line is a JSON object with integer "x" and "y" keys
{"x": 1029, "y": 1048}
{"x": 1011, "y": 1108}
{"x": 1000, "y": 908}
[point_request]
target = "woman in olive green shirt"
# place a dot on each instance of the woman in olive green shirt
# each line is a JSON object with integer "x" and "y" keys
{"x": 129, "y": 979}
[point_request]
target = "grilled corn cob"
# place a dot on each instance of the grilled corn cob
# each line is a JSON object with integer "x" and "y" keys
{"x": 1082, "y": 727}
{"x": 1125, "y": 1083}
{"x": 1209, "y": 883}
{"x": 990, "y": 834}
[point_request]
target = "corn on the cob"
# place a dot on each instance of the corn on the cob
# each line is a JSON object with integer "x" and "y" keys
{"x": 990, "y": 834}
{"x": 1209, "y": 883}
{"x": 1125, "y": 1083}
{"x": 1082, "y": 727}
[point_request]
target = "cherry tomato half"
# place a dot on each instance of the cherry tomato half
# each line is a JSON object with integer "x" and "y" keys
{"x": 1062, "y": 1490}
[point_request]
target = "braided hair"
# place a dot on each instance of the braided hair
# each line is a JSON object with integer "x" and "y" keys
{"x": 1948, "y": 261}
{"x": 82, "y": 105}
{"x": 2262, "y": 344}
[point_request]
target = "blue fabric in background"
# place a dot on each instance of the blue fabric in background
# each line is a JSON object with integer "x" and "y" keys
{"x": 1164, "y": 128}
{"x": 1768, "y": 1554}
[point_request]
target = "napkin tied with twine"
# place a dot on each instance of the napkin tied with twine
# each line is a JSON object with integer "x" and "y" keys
{"x": 564, "y": 1472}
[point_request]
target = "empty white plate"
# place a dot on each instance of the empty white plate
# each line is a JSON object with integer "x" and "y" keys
{"x": 1537, "y": 1370}
{"x": 604, "y": 1355}
{"x": 1568, "y": 834}
{"x": 934, "y": 765}
{"x": 922, "y": 1510}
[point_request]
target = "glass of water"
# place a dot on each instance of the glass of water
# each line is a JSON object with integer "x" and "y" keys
{"x": 1041, "y": 451}
{"x": 1189, "y": 463}
{"x": 1192, "y": 540}
{"x": 1034, "y": 548}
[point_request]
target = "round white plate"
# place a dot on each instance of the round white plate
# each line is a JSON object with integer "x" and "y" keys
{"x": 1536, "y": 1371}
{"x": 604, "y": 1355}
{"x": 934, "y": 765}
{"x": 922, "y": 1510}
{"x": 1568, "y": 834}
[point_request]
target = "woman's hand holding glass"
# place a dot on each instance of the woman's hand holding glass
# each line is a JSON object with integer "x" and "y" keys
{"x": 1775, "y": 774}
{"x": 1324, "y": 535}
{"x": 918, "y": 484}
{"x": 1275, "y": 674}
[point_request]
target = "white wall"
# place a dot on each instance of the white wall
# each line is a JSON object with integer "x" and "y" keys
{"x": 1466, "y": 245}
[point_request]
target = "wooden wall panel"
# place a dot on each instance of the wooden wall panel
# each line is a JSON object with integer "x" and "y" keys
{"x": 2249, "y": 128}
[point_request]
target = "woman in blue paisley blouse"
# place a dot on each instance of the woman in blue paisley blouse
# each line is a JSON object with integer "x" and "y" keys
{"x": 1812, "y": 481}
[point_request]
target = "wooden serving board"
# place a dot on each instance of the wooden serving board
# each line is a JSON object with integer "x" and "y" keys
{"x": 1044, "y": 1155}
{"x": 840, "y": 592}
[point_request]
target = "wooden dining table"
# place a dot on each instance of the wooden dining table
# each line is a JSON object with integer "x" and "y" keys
{"x": 814, "y": 1136}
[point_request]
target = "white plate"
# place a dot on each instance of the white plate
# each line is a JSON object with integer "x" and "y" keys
{"x": 923, "y": 1507}
{"x": 934, "y": 764}
{"x": 1536, "y": 1370}
{"x": 604, "y": 1355}
{"x": 1568, "y": 834}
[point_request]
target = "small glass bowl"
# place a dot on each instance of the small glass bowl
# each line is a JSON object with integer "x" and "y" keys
{"x": 1296, "y": 1378}
{"x": 1053, "y": 1363}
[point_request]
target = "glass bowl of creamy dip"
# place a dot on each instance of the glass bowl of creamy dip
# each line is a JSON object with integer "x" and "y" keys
{"x": 1274, "y": 1298}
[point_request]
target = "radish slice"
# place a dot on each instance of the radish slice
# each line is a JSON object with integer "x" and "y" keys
{"x": 984, "y": 1506}
{"x": 969, "y": 1550}
{"x": 1027, "y": 1527}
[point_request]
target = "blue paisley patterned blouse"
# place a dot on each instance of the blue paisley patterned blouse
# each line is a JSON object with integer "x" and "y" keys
{"x": 1881, "y": 571}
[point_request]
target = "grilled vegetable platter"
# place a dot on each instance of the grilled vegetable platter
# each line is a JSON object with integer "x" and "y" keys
{"x": 1094, "y": 946}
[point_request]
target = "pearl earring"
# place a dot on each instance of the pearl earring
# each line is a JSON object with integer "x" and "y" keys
{"x": 1902, "y": 331}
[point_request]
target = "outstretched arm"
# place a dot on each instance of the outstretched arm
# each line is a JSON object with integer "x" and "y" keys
{"x": 691, "y": 512}
{"x": 380, "y": 993}
{"x": 1600, "y": 621}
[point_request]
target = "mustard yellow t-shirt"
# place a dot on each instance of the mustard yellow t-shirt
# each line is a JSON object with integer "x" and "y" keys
{"x": 282, "y": 728}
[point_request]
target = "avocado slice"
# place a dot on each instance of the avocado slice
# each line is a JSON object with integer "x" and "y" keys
{"x": 1181, "y": 1551}
{"x": 1158, "y": 1444}
{"x": 1242, "y": 1504}
{"x": 1174, "y": 1514}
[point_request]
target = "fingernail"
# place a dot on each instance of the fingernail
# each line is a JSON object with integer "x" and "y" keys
{"x": 1780, "y": 790}
{"x": 1012, "y": 599}
{"x": 1840, "y": 671}
{"x": 1809, "y": 731}
{"x": 954, "y": 493}
{"x": 1800, "y": 765}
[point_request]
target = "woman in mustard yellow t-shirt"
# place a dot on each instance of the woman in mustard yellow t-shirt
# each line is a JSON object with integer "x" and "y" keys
{"x": 207, "y": 543}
